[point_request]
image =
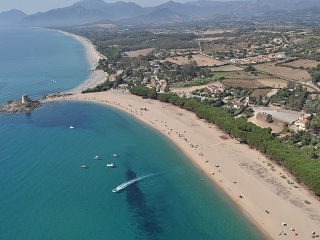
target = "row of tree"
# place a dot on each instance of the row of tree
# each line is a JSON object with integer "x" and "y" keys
{"x": 315, "y": 73}
{"x": 298, "y": 162}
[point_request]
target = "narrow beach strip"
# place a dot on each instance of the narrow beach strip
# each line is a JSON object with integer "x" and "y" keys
{"x": 97, "y": 76}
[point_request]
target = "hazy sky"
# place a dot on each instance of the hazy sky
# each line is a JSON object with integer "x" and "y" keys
{"x": 33, "y": 6}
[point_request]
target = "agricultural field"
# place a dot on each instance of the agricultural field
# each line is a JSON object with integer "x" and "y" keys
{"x": 273, "y": 82}
{"x": 226, "y": 68}
{"x": 285, "y": 72}
{"x": 302, "y": 63}
{"x": 107, "y": 26}
{"x": 214, "y": 31}
{"x": 234, "y": 74}
{"x": 214, "y": 38}
{"x": 242, "y": 83}
{"x": 200, "y": 59}
{"x": 260, "y": 92}
{"x": 142, "y": 52}
{"x": 210, "y": 47}
{"x": 272, "y": 92}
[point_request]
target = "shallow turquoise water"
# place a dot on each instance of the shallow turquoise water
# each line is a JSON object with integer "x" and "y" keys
{"x": 37, "y": 61}
{"x": 45, "y": 194}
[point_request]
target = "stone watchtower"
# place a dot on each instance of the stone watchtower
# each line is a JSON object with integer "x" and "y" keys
{"x": 25, "y": 98}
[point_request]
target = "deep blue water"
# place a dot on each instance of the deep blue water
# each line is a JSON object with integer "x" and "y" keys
{"x": 45, "y": 194}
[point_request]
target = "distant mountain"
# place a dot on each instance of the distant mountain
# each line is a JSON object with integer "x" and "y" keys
{"x": 159, "y": 16}
{"x": 120, "y": 10}
{"x": 209, "y": 9}
{"x": 91, "y": 4}
{"x": 90, "y": 11}
{"x": 184, "y": 9}
{"x": 114, "y": 11}
{"x": 85, "y": 11}
{"x": 288, "y": 4}
{"x": 11, "y": 17}
{"x": 311, "y": 13}
{"x": 64, "y": 17}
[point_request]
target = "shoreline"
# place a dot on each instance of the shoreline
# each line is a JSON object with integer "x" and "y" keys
{"x": 95, "y": 77}
{"x": 246, "y": 176}
{"x": 93, "y": 57}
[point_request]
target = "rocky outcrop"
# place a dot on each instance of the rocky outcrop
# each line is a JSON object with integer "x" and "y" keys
{"x": 19, "y": 107}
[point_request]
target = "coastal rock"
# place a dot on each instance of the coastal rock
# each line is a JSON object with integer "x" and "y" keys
{"x": 18, "y": 107}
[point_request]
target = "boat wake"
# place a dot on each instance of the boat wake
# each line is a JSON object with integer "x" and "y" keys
{"x": 130, "y": 182}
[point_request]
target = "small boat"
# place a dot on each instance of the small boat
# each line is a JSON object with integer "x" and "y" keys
{"x": 71, "y": 127}
{"x": 115, "y": 155}
{"x": 96, "y": 158}
{"x": 110, "y": 165}
{"x": 83, "y": 166}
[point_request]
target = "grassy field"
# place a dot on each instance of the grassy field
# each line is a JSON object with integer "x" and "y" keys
{"x": 197, "y": 82}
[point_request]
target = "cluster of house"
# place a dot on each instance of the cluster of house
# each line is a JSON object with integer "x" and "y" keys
{"x": 259, "y": 58}
{"x": 301, "y": 122}
{"x": 150, "y": 78}
{"x": 113, "y": 77}
{"x": 214, "y": 89}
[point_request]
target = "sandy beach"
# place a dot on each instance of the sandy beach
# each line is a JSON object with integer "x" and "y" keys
{"x": 266, "y": 193}
{"x": 97, "y": 76}
{"x": 258, "y": 186}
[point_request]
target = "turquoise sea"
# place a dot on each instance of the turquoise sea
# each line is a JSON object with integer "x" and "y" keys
{"x": 45, "y": 194}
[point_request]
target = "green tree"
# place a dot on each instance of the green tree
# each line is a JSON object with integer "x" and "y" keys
{"x": 269, "y": 118}
{"x": 315, "y": 124}
{"x": 250, "y": 68}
